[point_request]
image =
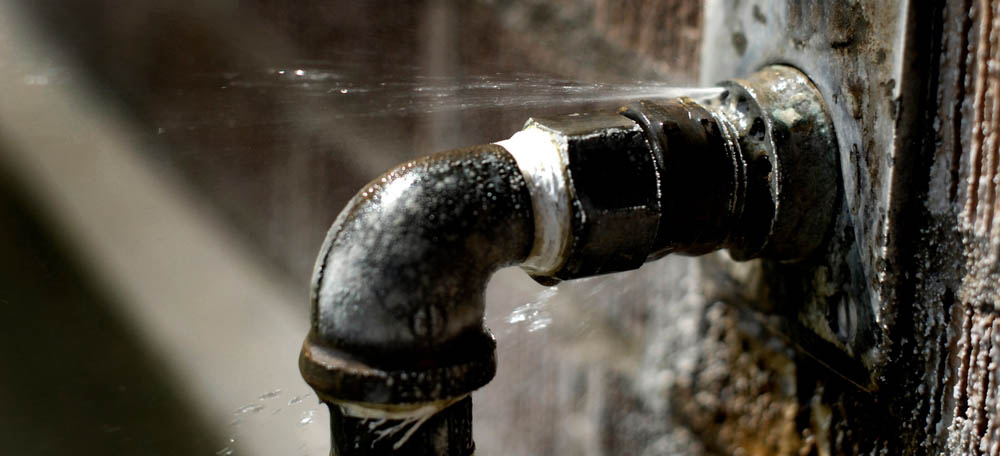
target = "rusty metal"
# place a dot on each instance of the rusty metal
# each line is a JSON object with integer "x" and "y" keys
{"x": 787, "y": 139}
{"x": 879, "y": 301}
{"x": 847, "y": 295}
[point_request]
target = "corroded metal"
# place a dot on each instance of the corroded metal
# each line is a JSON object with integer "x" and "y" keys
{"x": 877, "y": 302}
{"x": 772, "y": 136}
{"x": 702, "y": 175}
{"x": 871, "y": 86}
{"x": 787, "y": 138}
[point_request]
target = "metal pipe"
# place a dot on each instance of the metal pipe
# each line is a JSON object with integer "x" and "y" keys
{"x": 397, "y": 340}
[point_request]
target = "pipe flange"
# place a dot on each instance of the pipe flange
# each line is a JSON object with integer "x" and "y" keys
{"x": 339, "y": 377}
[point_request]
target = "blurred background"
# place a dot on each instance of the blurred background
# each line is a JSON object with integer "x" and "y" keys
{"x": 168, "y": 171}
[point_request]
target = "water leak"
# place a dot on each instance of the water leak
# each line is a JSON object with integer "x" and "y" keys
{"x": 294, "y": 110}
{"x": 576, "y": 304}
{"x": 269, "y": 395}
{"x": 298, "y": 399}
{"x": 248, "y": 418}
{"x": 250, "y": 408}
{"x": 227, "y": 450}
{"x": 307, "y": 417}
{"x": 404, "y": 92}
{"x": 535, "y": 314}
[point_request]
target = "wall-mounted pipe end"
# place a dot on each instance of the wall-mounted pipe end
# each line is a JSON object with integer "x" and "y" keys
{"x": 788, "y": 142}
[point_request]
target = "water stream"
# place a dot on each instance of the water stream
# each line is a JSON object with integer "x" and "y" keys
{"x": 400, "y": 93}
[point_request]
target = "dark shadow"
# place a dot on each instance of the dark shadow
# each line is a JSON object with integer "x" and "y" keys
{"x": 74, "y": 378}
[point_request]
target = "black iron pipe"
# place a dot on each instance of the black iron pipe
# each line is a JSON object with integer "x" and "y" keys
{"x": 398, "y": 297}
{"x": 398, "y": 342}
{"x": 400, "y": 280}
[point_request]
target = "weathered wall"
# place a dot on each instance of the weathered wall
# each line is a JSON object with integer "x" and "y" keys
{"x": 964, "y": 208}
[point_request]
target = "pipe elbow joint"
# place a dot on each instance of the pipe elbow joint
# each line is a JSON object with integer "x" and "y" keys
{"x": 398, "y": 288}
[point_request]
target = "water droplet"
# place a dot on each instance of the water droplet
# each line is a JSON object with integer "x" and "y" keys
{"x": 534, "y": 313}
{"x": 298, "y": 399}
{"x": 300, "y": 72}
{"x": 251, "y": 408}
{"x": 225, "y": 451}
{"x": 343, "y": 90}
{"x": 269, "y": 395}
{"x": 307, "y": 417}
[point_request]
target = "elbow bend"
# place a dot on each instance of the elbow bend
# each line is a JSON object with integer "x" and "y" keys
{"x": 398, "y": 288}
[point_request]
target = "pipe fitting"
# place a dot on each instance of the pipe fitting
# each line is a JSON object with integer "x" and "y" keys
{"x": 789, "y": 149}
{"x": 585, "y": 156}
{"x": 397, "y": 340}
